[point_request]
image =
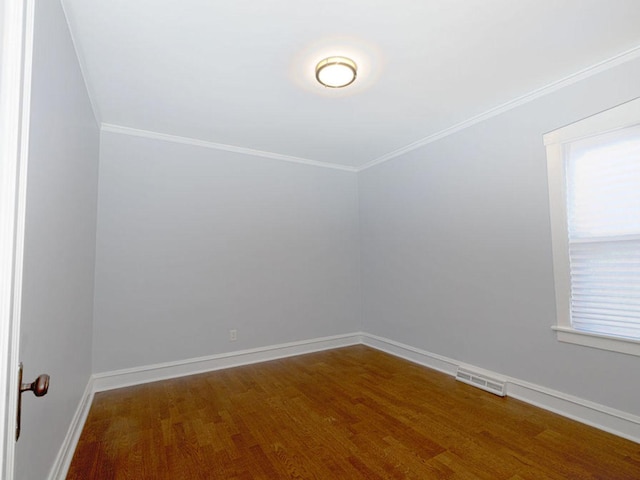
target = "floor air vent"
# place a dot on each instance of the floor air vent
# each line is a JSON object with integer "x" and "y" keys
{"x": 492, "y": 385}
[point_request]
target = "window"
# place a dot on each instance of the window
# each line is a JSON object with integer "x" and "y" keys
{"x": 594, "y": 192}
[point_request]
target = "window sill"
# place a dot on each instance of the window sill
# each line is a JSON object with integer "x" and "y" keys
{"x": 596, "y": 340}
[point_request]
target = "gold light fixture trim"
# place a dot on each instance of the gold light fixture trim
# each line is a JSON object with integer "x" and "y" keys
{"x": 336, "y": 72}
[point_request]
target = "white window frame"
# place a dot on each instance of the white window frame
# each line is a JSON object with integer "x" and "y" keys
{"x": 622, "y": 116}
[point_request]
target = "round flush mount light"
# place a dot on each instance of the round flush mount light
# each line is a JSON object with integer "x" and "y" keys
{"x": 336, "y": 72}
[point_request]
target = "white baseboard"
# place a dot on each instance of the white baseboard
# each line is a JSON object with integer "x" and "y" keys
{"x": 163, "y": 371}
{"x": 152, "y": 373}
{"x": 617, "y": 422}
{"x": 415, "y": 355}
{"x": 610, "y": 420}
{"x": 605, "y": 418}
{"x": 65, "y": 454}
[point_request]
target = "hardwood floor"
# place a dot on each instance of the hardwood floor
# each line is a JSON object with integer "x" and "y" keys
{"x": 350, "y": 413}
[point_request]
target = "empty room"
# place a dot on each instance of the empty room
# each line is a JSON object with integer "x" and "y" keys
{"x": 320, "y": 240}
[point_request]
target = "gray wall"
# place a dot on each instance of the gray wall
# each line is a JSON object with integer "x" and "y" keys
{"x": 456, "y": 252}
{"x": 193, "y": 242}
{"x": 57, "y": 304}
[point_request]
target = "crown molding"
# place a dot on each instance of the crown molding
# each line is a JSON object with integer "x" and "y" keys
{"x": 107, "y": 127}
{"x": 624, "y": 57}
{"x": 614, "y": 61}
{"x": 82, "y": 64}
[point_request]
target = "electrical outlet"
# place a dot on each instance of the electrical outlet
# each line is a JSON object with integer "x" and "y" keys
{"x": 233, "y": 335}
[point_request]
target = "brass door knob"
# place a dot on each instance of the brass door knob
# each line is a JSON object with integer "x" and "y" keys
{"x": 39, "y": 387}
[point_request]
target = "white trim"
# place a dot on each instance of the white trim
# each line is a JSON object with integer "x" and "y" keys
{"x": 17, "y": 47}
{"x": 83, "y": 65}
{"x": 65, "y": 454}
{"x": 599, "y": 416}
{"x": 10, "y": 83}
{"x": 610, "y": 420}
{"x": 559, "y": 233}
{"x": 134, "y": 132}
{"x": 614, "y": 61}
{"x": 621, "y": 116}
{"x": 590, "y": 71}
{"x": 596, "y": 340}
{"x": 416, "y": 355}
{"x": 162, "y": 371}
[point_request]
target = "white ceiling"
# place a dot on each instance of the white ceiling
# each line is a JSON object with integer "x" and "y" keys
{"x": 241, "y": 73}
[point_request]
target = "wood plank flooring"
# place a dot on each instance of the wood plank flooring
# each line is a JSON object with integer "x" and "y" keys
{"x": 349, "y": 413}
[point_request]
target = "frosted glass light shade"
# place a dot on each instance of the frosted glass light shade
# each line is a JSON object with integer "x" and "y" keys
{"x": 336, "y": 72}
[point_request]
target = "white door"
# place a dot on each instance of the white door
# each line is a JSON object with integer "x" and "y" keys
{"x": 47, "y": 235}
{"x": 13, "y": 33}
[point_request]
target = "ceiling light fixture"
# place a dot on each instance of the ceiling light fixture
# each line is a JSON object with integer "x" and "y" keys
{"x": 336, "y": 72}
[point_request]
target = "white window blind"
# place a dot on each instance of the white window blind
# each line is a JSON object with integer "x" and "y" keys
{"x": 603, "y": 219}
